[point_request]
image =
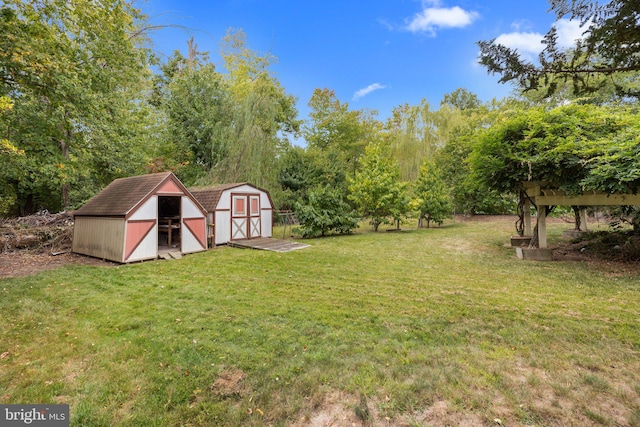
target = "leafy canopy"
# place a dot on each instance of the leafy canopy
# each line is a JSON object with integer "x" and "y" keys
{"x": 574, "y": 148}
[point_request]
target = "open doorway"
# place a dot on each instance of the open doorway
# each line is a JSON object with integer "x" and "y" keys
{"x": 169, "y": 222}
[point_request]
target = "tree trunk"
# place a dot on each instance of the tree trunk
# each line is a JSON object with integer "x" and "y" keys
{"x": 576, "y": 214}
{"x": 64, "y": 149}
{"x": 520, "y": 211}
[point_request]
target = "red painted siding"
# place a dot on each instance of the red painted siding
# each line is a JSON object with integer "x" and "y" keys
{"x": 197, "y": 227}
{"x": 169, "y": 187}
{"x": 136, "y": 232}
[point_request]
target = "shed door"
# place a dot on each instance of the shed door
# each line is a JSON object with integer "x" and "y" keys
{"x": 245, "y": 216}
{"x": 254, "y": 216}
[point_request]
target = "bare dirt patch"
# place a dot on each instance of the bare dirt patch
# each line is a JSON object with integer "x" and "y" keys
{"x": 37, "y": 243}
{"x": 26, "y": 262}
{"x": 343, "y": 409}
{"x": 441, "y": 413}
{"x": 230, "y": 382}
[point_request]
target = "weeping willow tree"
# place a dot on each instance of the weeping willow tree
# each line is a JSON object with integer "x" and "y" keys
{"x": 416, "y": 133}
{"x": 251, "y": 140}
{"x": 412, "y": 137}
{"x": 261, "y": 117}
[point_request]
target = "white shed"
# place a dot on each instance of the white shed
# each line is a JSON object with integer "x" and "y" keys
{"x": 237, "y": 211}
{"x": 138, "y": 218}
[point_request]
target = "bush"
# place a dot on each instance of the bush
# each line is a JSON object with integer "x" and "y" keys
{"x": 325, "y": 211}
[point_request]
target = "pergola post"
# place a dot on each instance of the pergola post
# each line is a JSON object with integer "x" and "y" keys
{"x": 583, "y": 219}
{"x": 542, "y": 226}
{"x": 527, "y": 217}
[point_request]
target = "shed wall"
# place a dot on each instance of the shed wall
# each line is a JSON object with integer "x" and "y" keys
{"x": 222, "y": 215}
{"x": 149, "y": 210}
{"x": 266, "y": 216}
{"x": 144, "y": 240}
{"x": 193, "y": 235}
{"x": 222, "y": 226}
{"x": 194, "y": 227}
{"x": 225, "y": 200}
{"x": 99, "y": 237}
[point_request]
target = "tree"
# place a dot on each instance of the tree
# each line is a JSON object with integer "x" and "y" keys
{"x": 334, "y": 128}
{"x": 462, "y": 118}
{"x": 324, "y": 211}
{"x": 224, "y": 126}
{"x": 412, "y": 132}
{"x": 303, "y": 169}
{"x": 610, "y": 47}
{"x": 198, "y": 110}
{"x": 574, "y": 148}
{"x": 75, "y": 73}
{"x": 431, "y": 198}
{"x": 11, "y": 159}
{"x": 376, "y": 189}
{"x": 262, "y": 118}
{"x": 462, "y": 100}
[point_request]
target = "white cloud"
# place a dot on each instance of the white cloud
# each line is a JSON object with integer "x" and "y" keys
{"x": 569, "y": 32}
{"x": 367, "y": 90}
{"x": 529, "y": 44}
{"x": 432, "y": 18}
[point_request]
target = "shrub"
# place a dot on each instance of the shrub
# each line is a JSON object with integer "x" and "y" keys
{"x": 325, "y": 211}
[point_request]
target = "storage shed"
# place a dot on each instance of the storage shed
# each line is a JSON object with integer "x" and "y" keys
{"x": 139, "y": 218}
{"x": 237, "y": 211}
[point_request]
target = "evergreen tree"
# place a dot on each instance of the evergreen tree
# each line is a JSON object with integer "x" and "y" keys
{"x": 325, "y": 211}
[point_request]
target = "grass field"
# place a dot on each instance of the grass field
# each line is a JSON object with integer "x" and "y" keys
{"x": 439, "y": 326}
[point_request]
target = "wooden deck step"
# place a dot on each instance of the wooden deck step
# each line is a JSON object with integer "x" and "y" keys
{"x": 268, "y": 244}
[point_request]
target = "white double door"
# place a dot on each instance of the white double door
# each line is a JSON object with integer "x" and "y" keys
{"x": 245, "y": 216}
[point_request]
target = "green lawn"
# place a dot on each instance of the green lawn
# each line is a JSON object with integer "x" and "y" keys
{"x": 423, "y": 327}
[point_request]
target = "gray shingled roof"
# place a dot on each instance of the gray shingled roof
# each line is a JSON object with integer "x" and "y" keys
{"x": 209, "y": 197}
{"x": 122, "y": 195}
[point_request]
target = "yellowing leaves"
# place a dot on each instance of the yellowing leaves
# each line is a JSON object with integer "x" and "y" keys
{"x": 7, "y": 148}
{"x": 6, "y": 103}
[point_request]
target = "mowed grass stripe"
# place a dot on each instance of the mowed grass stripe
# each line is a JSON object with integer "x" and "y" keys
{"x": 403, "y": 323}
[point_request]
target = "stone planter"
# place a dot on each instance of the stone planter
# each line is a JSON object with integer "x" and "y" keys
{"x": 535, "y": 254}
{"x": 520, "y": 241}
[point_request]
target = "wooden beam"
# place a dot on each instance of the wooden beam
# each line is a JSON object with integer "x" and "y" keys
{"x": 589, "y": 200}
{"x": 533, "y": 188}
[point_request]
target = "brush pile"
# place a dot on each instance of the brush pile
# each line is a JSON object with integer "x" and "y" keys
{"x": 41, "y": 232}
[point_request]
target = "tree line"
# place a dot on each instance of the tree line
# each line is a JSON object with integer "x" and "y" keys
{"x": 83, "y": 100}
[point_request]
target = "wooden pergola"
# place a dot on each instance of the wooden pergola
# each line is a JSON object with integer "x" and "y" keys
{"x": 543, "y": 197}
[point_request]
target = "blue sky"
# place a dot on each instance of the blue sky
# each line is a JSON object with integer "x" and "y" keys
{"x": 374, "y": 54}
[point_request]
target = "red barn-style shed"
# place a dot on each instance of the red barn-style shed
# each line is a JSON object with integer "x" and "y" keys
{"x": 238, "y": 211}
{"x": 139, "y": 217}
